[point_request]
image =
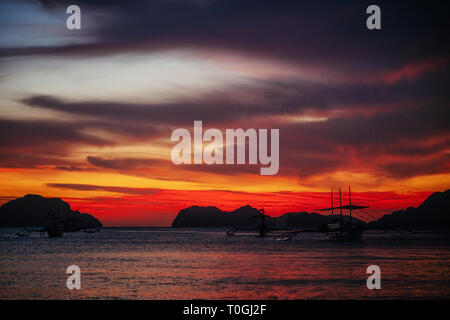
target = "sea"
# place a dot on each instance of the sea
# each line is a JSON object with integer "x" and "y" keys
{"x": 168, "y": 263}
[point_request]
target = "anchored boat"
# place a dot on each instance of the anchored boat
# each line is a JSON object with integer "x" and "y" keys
{"x": 340, "y": 228}
{"x": 343, "y": 228}
{"x": 56, "y": 226}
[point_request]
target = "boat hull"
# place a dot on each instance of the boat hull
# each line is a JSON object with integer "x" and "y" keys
{"x": 54, "y": 232}
{"x": 345, "y": 235}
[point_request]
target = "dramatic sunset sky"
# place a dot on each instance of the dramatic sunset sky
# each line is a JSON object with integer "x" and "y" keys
{"x": 87, "y": 115}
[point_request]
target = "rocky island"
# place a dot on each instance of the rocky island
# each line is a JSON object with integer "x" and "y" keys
{"x": 33, "y": 211}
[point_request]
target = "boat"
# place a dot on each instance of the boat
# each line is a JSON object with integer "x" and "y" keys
{"x": 55, "y": 229}
{"x": 340, "y": 227}
{"x": 56, "y": 226}
{"x": 262, "y": 229}
{"x": 24, "y": 233}
{"x": 91, "y": 230}
{"x": 343, "y": 228}
{"x": 397, "y": 231}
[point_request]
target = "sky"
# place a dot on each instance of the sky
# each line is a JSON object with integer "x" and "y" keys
{"x": 87, "y": 115}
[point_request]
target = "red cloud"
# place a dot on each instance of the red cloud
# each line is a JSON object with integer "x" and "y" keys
{"x": 413, "y": 70}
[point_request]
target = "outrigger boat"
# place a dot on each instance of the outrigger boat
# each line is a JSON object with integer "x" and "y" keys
{"x": 262, "y": 230}
{"x": 340, "y": 228}
{"x": 56, "y": 227}
{"x": 343, "y": 228}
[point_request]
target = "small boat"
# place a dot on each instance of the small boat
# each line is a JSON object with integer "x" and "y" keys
{"x": 344, "y": 231}
{"x": 232, "y": 231}
{"x": 397, "y": 231}
{"x": 91, "y": 230}
{"x": 55, "y": 229}
{"x": 262, "y": 229}
{"x": 286, "y": 236}
{"x": 24, "y": 233}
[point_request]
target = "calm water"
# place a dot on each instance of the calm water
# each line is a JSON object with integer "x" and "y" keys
{"x": 159, "y": 263}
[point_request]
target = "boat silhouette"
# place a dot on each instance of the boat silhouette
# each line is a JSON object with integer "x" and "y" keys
{"x": 56, "y": 226}
{"x": 342, "y": 228}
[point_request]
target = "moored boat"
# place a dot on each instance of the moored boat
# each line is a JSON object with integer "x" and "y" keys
{"x": 343, "y": 228}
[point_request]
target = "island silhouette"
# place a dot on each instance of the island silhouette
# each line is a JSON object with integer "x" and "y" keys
{"x": 34, "y": 210}
{"x": 433, "y": 213}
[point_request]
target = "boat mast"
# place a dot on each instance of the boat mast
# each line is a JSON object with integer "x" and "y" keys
{"x": 331, "y": 196}
{"x": 340, "y": 200}
{"x": 350, "y": 203}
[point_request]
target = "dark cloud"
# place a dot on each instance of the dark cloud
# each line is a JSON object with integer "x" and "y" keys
{"x": 44, "y": 136}
{"x": 369, "y": 143}
{"x": 363, "y": 133}
{"x": 28, "y": 159}
{"x": 123, "y": 163}
{"x": 29, "y": 144}
{"x": 73, "y": 168}
{"x": 89, "y": 187}
{"x": 273, "y": 98}
{"x": 380, "y": 129}
{"x": 177, "y": 172}
{"x": 326, "y": 32}
{"x": 417, "y": 167}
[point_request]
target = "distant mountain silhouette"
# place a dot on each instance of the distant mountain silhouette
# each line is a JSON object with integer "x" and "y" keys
{"x": 32, "y": 211}
{"x": 243, "y": 218}
{"x": 213, "y": 217}
{"x": 433, "y": 213}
